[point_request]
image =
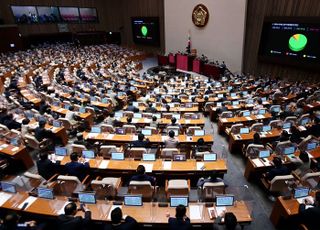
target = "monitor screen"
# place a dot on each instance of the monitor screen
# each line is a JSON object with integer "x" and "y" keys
{"x": 178, "y": 200}
{"x": 289, "y": 150}
{"x": 69, "y": 14}
{"x": 304, "y": 121}
{"x": 135, "y": 104}
{"x": 25, "y": 14}
{"x": 88, "y": 14}
{"x": 87, "y": 198}
{"x": 244, "y": 130}
{"x": 117, "y": 156}
{"x": 262, "y": 111}
{"x": 286, "y": 125}
{"x": 133, "y": 200}
{"x": 66, "y": 106}
{"x": 210, "y": 157}
{"x": 82, "y": 110}
{"x": 219, "y": 104}
{"x": 8, "y": 187}
{"x": 95, "y": 129}
{"x": 56, "y": 124}
{"x": 263, "y": 99}
{"x": 301, "y": 192}
{"x": 177, "y": 116}
{"x": 235, "y": 103}
{"x": 48, "y": 14}
{"x": 157, "y": 115}
{"x": 46, "y": 193}
{"x": 104, "y": 100}
{"x": 226, "y": 200}
{"x": 88, "y": 154}
{"x": 244, "y": 93}
{"x": 120, "y": 131}
{"x": 311, "y": 145}
{"x": 276, "y": 109}
{"x": 145, "y": 30}
{"x": 60, "y": 151}
{"x": 179, "y": 157}
{"x": 118, "y": 114}
{"x": 264, "y": 153}
{"x": 233, "y": 95}
{"x": 266, "y": 128}
{"x": 146, "y": 132}
{"x": 137, "y": 115}
{"x": 149, "y": 157}
{"x": 14, "y": 141}
{"x": 250, "y": 101}
{"x": 246, "y": 114}
{"x": 199, "y": 132}
{"x": 220, "y": 95}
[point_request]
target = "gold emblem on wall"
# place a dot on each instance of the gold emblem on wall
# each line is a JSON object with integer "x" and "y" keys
{"x": 200, "y": 15}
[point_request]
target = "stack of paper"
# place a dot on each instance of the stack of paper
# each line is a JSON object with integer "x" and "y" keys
{"x": 104, "y": 164}
{"x": 29, "y": 200}
{"x": 258, "y": 162}
{"x": 195, "y": 212}
{"x": 4, "y": 197}
{"x": 200, "y": 165}
{"x": 167, "y": 165}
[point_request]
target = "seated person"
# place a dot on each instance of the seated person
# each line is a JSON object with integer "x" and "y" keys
{"x": 302, "y": 163}
{"x": 41, "y": 133}
{"x": 70, "y": 221}
{"x": 25, "y": 127}
{"x": 181, "y": 221}
{"x": 70, "y": 116}
{"x": 132, "y": 108}
{"x": 174, "y": 123}
{"x": 142, "y": 176}
{"x": 171, "y": 142}
{"x": 46, "y": 168}
{"x": 295, "y": 135}
{"x": 11, "y": 123}
{"x": 110, "y": 119}
{"x": 140, "y": 142}
{"x": 151, "y": 109}
{"x": 80, "y": 140}
{"x": 75, "y": 168}
{"x": 278, "y": 170}
{"x": 11, "y": 222}
{"x": 154, "y": 122}
{"x": 230, "y": 222}
{"x": 120, "y": 222}
{"x": 315, "y": 128}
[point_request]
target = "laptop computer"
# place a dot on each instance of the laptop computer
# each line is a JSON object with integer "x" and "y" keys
{"x": 87, "y": 198}
{"x": 199, "y": 133}
{"x": 233, "y": 95}
{"x": 45, "y": 193}
{"x": 133, "y": 200}
{"x": 235, "y": 103}
{"x": 120, "y": 131}
{"x": 220, "y": 95}
{"x": 289, "y": 150}
{"x": 244, "y": 130}
{"x": 179, "y": 157}
{"x": 148, "y": 157}
{"x": 60, "y": 151}
{"x": 82, "y": 110}
{"x": 118, "y": 114}
{"x": 8, "y": 187}
{"x": 15, "y": 141}
{"x": 117, "y": 156}
{"x": 210, "y": 157}
{"x": 262, "y": 111}
{"x": 66, "y": 106}
{"x": 301, "y": 192}
{"x": 224, "y": 200}
{"x": 179, "y": 200}
{"x": 177, "y": 116}
{"x": 88, "y": 154}
{"x": 266, "y": 128}
{"x": 95, "y": 129}
{"x": 264, "y": 153}
{"x": 246, "y": 114}
{"x": 146, "y": 132}
{"x": 56, "y": 124}
{"x": 137, "y": 115}
{"x": 311, "y": 146}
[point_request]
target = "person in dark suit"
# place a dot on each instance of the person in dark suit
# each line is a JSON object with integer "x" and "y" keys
{"x": 75, "y": 168}
{"x": 181, "y": 221}
{"x": 315, "y": 128}
{"x": 278, "y": 170}
{"x": 151, "y": 109}
{"x": 140, "y": 142}
{"x": 295, "y": 135}
{"x": 230, "y": 222}
{"x": 141, "y": 176}
{"x": 42, "y": 133}
{"x": 118, "y": 222}
{"x": 176, "y": 99}
{"x": 69, "y": 221}
{"x": 46, "y": 168}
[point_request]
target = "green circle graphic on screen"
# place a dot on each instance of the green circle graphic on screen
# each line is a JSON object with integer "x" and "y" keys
{"x": 144, "y": 30}
{"x": 297, "y": 42}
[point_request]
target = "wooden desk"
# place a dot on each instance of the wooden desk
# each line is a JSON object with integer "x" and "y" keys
{"x": 17, "y": 153}
{"x": 86, "y": 116}
{"x": 223, "y": 123}
{"x": 315, "y": 152}
{"x": 30, "y": 97}
{"x": 147, "y": 215}
{"x": 283, "y": 209}
{"x": 163, "y": 121}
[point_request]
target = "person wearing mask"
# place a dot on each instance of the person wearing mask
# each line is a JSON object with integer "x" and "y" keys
{"x": 181, "y": 221}
{"x": 75, "y": 168}
{"x": 171, "y": 142}
{"x": 70, "y": 221}
{"x": 142, "y": 176}
{"x": 120, "y": 222}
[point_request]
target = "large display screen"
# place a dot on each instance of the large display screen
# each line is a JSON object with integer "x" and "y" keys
{"x": 88, "y": 14}
{"x": 294, "y": 41}
{"x": 47, "y": 14}
{"x": 25, "y": 14}
{"x": 146, "y": 30}
{"x": 69, "y": 14}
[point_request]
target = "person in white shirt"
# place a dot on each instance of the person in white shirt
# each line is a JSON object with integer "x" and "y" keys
{"x": 70, "y": 116}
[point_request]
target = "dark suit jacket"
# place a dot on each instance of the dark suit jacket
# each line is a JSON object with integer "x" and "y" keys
{"x": 144, "y": 177}
{"x": 281, "y": 171}
{"x": 46, "y": 168}
{"x": 309, "y": 217}
{"x": 41, "y": 134}
{"x": 77, "y": 169}
{"x": 127, "y": 224}
{"x": 180, "y": 224}
{"x": 74, "y": 222}
{"x": 142, "y": 144}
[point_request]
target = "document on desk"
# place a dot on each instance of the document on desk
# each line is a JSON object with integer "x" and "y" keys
{"x": 224, "y": 120}
{"x": 167, "y": 165}
{"x": 15, "y": 149}
{"x": 260, "y": 116}
{"x": 187, "y": 121}
{"x": 104, "y": 164}
{"x": 112, "y": 208}
{"x": 148, "y": 167}
{"x": 4, "y": 197}
{"x": 267, "y": 162}
{"x": 302, "y": 128}
{"x": 258, "y": 162}
{"x": 3, "y": 146}
{"x": 195, "y": 212}
{"x": 134, "y": 137}
{"x": 110, "y": 136}
{"x": 249, "y": 118}
{"x": 29, "y": 200}
{"x": 200, "y": 165}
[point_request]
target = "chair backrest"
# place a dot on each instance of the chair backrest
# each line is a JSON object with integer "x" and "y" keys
{"x": 4, "y": 127}
{"x": 280, "y": 183}
{"x": 169, "y": 152}
{"x": 32, "y": 180}
{"x": 253, "y": 150}
{"x": 141, "y": 187}
{"x": 275, "y": 107}
{"x": 78, "y": 149}
{"x": 226, "y": 114}
{"x": 103, "y": 189}
{"x": 32, "y": 142}
{"x": 128, "y": 114}
{"x": 66, "y": 123}
{"x": 177, "y": 187}
{"x": 106, "y": 150}
{"x": 136, "y": 153}
{"x": 147, "y": 115}
{"x": 291, "y": 119}
{"x": 211, "y": 189}
{"x": 154, "y": 130}
{"x": 276, "y": 123}
{"x": 129, "y": 129}
{"x": 67, "y": 185}
{"x": 107, "y": 128}
{"x": 257, "y": 127}
{"x": 189, "y": 115}
{"x": 90, "y": 110}
{"x": 235, "y": 129}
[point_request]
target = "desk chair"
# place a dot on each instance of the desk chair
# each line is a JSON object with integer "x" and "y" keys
{"x": 210, "y": 189}
{"x": 311, "y": 180}
{"x": 142, "y": 187}
{"x": 235, "y": 129}
{"x": 252, "y": 150}
{"x": 174, "y": 128}
{"x": 154, "y": 130}
{"x": 279, "y": 184}
{"x": 107, "y": 128}
{"x": 226, "y": 114}
{"x": 301, "y": 102}
{"x": 67, "y": 124}
{"x": 33, "y": 143}
{"x": 167, "y": 153}
{"x": 257, "y": 127}
{"x": 274, "y": 124}
{"x": 69, "y": 185}
{"x": 32, "y": 180}
{"x": 78, "y": 149}
{"x": 291, "y": 119}
{"x": 147, "y": 115}
{"x": 106, "y": 150}
{"x": 136, "y": 153}
{"x": 108, "y": 187}
{"x": 177, "y": 187}
{"x": 191, "y": 130}
{"x": 3, "y": 127}
{"x": 129, "y": 129}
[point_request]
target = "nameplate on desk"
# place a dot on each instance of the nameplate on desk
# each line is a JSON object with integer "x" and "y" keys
{"x": 200, "y": 166}
{"x": 258, "y": 162}
{"x": 224, "y": 120}
{"x": 104, "y": 164}
{"x": 4, "y": 197}
{"x": 167, "y": 165}
{"x": 30, "y": 200}
{"x": 248, "y": 118}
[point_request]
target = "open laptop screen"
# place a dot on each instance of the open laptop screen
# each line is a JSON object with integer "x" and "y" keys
{"x": 8, "y": 187}
{"x": 226, "y": 200}
{"x": 60, "y": 151}
{"x": 87, "y": 198}
{"x": 178, "y": 200}
{"x": 46, "y": 193}
{"x": 88, "y": 154}
{"x": 133, "y": 200}
{"x": 301, "y": 192}
{"x": 210, "y": 157}
{"x": 117, "y": 156}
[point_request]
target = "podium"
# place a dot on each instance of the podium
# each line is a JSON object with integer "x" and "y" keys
{"x": 197, "y": 66}
{"x": 184, "y": 62}
{"x": 162, "y": 60}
